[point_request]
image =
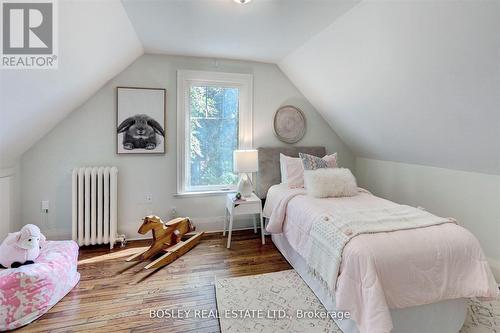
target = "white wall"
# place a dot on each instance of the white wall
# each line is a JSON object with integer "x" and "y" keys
{"x": 87, "y": 137}
{"x": 96, "y": 42}
{"x": 5, "y": 200}
{"x": 472, "y": 198}
{"x": 409, "y": 81}
{"x": 415, "y": 82}
{"x": 225, "y": 29}
{"x": 9, "y": 200}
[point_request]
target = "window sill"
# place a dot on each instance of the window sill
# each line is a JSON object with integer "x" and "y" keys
{"x": 203, "y": 193}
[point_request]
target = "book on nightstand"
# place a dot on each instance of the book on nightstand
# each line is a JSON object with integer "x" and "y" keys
{"x": 239, "y": 201}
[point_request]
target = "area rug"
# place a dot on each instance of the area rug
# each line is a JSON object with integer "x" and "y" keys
{"x": 483, "y": 317}
{"x": 260, "y": 303}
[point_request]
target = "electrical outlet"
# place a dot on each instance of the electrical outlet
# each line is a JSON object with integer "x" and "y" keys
{"x": 148, "y": 198}
{"x": 45, "y": 206}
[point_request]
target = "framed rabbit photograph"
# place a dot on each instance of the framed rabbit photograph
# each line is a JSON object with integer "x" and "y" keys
{"x": 140, "y": 120}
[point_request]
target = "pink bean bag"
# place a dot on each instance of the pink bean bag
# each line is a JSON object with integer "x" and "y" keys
{"x": 29, "y": 291}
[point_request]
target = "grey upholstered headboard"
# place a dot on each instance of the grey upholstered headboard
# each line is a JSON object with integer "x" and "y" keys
{"x": 269, "y": 172}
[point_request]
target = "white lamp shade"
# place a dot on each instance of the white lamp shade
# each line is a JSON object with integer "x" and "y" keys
{"x": 245, "y": 161}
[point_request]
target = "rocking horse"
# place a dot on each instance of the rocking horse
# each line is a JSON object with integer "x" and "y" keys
{"x": 167, "y": 237}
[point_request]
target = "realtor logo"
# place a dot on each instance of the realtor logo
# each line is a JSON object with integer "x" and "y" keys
{"x": 28, "y": 34}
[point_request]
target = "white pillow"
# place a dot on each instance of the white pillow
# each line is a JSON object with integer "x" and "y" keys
{"x": 283, "y": 168}
{"x": 292, "y": 171}
{"x": 330, "y": 182}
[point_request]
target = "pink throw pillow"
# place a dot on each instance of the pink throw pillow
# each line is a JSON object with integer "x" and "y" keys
{"x": 331, "y": 160}
{"x": 292, "y": 171}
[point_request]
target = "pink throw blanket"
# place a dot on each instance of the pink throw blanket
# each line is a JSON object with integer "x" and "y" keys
{"x": 388, "y": 270}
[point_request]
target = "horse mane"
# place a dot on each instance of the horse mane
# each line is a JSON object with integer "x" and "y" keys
{"x": 154, "y": 218}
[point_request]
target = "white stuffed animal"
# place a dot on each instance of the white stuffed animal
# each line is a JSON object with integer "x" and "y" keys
{"x": 21, "y": 247}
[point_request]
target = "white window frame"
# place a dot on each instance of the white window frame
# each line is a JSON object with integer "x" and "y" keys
{"x": 188, "y": 78}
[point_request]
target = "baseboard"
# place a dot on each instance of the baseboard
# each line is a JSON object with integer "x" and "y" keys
{"x": 55, "y": 234}
{"x": 495, "y": 268}
{"x": 216, "y": 223}
{"x": 206, "y": 232}
{"x": 212, "y": 225}
{"x": 206, "y": 224}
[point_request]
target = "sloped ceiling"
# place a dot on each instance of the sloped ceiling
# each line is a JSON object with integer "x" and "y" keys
{"x": 96, "y": 42}
{"x": 414, "y": 82}
{"x": 262, "y": 30}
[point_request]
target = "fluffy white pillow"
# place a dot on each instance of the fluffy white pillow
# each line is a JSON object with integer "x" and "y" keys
{"x": 330, "y": 182}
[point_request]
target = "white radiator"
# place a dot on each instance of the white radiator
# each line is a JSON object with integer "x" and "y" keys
{"x": 95, "y": 209}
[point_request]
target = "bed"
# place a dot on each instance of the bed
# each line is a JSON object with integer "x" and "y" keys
{"x": 443, "y": 315}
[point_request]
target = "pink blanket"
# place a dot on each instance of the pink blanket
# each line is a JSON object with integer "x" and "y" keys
{"x": 388, "y": 270}
{"x": 29, "y": 291}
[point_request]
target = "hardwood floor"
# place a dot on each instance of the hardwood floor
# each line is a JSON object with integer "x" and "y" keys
{"x": 116, "y": 296}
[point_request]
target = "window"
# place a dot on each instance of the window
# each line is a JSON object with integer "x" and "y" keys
{"x": 214, "y": 118}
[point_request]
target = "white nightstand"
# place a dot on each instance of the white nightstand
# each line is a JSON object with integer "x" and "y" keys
{"x": 251, "y": 206}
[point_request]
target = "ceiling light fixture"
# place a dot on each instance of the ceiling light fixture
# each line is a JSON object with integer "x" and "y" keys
{"x": 242, "y": 2}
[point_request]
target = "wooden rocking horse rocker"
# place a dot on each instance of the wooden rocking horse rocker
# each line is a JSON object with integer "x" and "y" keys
{"x": 167, "y": 237}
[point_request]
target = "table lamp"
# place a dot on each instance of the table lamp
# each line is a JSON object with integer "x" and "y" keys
{"x": 244, "y": 162}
